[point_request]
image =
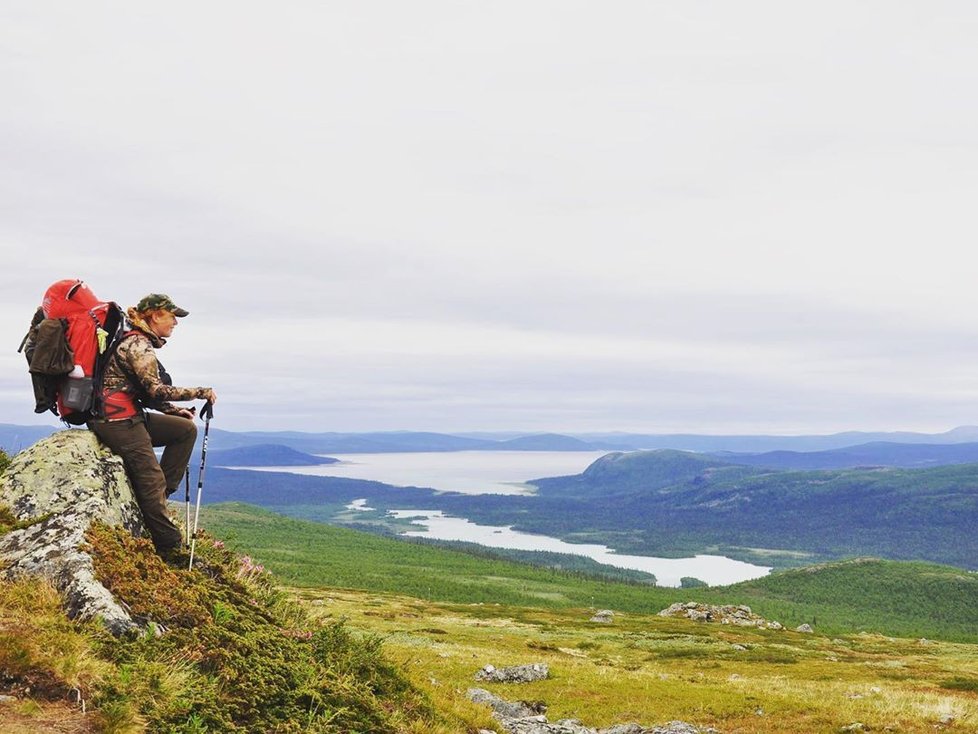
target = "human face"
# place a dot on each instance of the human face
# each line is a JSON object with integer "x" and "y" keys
{"x": 162, "y": 323}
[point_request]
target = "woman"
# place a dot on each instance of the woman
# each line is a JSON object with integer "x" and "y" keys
{"x": 134, "y": 381}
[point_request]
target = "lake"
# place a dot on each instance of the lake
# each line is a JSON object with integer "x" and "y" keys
{"x": 469, "y": 472}
{"x": 506, "y": 472}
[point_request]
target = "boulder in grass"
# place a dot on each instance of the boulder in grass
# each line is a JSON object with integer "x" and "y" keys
{"x": 56, "y": 489}
{"x": 514, "y": 674}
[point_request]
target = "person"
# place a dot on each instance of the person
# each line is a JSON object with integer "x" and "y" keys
{"x": 135, "y": 383}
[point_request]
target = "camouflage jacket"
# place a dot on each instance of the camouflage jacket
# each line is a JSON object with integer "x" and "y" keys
{"x": 133, "y": 369}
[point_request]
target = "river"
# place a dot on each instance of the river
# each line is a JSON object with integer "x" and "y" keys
{"x": 506, "y": 472}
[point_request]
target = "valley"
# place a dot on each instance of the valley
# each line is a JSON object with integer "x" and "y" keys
{"x": 906, "y": 665}
{"x": 652, "y": 670}
{"x": 673, "y": 504}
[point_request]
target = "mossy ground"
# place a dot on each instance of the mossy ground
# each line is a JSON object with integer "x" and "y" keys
{"x": 238, "y": 655}
{"x": 226, "y": 651}
{"x": 651, "y": 669}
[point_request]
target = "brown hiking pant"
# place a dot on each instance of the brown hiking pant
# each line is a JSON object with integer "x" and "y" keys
{"x": 152, "y": 481}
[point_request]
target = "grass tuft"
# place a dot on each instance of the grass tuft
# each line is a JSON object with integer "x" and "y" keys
{"x": 238, "y": 654}
{"x": 961, "y": 684}
{"x": 39, "y": 648}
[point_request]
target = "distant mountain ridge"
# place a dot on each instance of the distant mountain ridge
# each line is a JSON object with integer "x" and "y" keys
{"x": 705, "y": 443}
{"x": 880, "y": 453}
{"x": 15, "y": 437}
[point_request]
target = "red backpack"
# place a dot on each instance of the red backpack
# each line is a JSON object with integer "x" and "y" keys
{"x": 70, "y": 341}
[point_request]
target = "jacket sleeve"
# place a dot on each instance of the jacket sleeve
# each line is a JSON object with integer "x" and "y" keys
{"x": 140, "y": 358}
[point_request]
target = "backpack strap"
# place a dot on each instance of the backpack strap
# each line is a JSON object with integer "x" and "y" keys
{"x": 141, "y": 395}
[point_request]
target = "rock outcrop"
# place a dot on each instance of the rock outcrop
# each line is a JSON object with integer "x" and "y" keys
{"x": 60, "y": 485}
{"x": 739, "y": 615}
{"x": 514, "y": 674}
{"x": 520, "y": 718}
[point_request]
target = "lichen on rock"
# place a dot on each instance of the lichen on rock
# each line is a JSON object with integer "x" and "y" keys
{"x": 60, "y": 485}
{"x": 519, "y": 718}
{"x": 514, "y": 674}
{"x": 737, "y": 615}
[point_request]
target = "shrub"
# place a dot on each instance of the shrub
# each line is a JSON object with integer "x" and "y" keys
{"x": 7, "y": 520}
{"x": 237, "y": 654}
{"x": 961, "y": 684}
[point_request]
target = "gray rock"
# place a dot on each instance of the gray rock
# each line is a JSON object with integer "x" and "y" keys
{"x": 679, "y": 727}
{"x": 605, "y": 616}
{"x": 517, "y": 718}
{"x": 739, "y": 615}
{"x": 64, "y": 482}
{"x": 804, "y": 628}
{"x": 515, "y": 674}
{"x": 501, "y": 709}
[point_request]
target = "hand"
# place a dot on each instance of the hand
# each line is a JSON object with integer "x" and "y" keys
{"x": 185, "y": 413}
{"x": 210, "y": 396}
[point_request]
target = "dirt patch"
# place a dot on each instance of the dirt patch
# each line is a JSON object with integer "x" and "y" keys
{"x": 33, "y": 716}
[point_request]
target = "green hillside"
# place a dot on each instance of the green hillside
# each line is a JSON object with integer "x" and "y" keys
{"x": 225, "y": 651}
{"x": 668, "y": 502}
{"x": 906, "y": 599}
{"x": 306, "y": 553}
{"x": 902, "y": 599}
{"x": 625, "y": 473}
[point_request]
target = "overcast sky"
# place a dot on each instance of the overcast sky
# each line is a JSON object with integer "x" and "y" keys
{"x": 572, "y": 216}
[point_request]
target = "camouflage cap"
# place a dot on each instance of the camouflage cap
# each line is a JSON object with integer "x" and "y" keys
{"x": 160, "y": 301}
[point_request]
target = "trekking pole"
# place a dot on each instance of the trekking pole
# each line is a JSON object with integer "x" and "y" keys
{"x": 186, "y": 485}
{"x": 207, "y": 413}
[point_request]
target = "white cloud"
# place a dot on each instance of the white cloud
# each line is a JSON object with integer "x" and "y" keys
{"x": 700, "y": 216}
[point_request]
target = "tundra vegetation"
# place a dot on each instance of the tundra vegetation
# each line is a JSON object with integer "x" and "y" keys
{"x": 908, "y": 599}
{"x": 225, "y": 650}
{"x": 289, "y": 625}
{"x": 868, "y": 663}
